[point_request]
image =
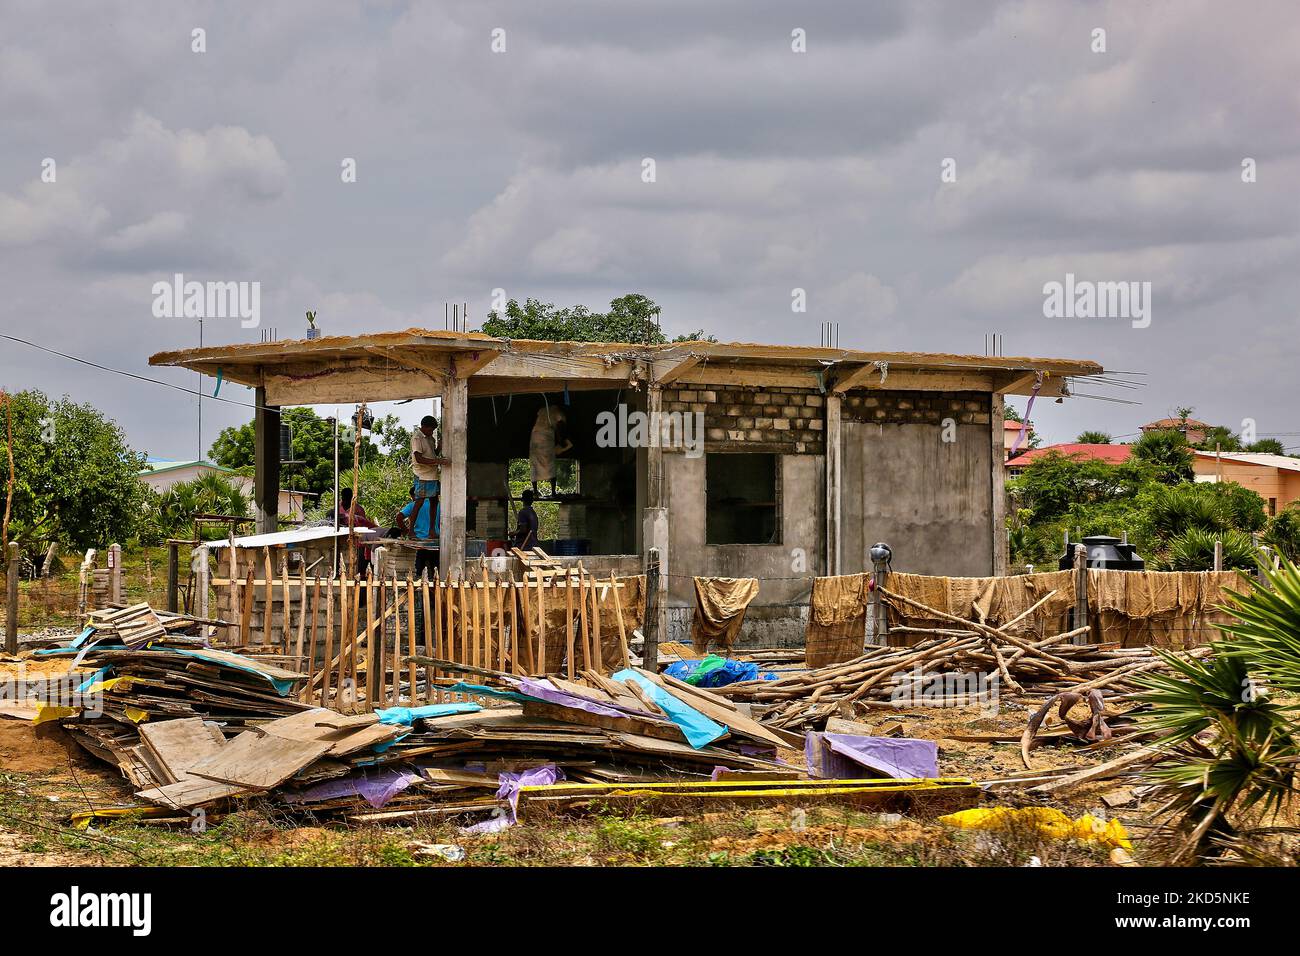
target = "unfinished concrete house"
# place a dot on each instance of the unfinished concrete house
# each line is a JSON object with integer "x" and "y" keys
{"x": 774, "y": 462}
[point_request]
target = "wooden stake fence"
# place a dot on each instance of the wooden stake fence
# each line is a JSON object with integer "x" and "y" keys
{"x": 561, "y": 625}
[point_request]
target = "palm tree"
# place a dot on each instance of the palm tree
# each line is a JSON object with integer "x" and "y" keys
{"x": 1093, "y": 438}
{"x": 1228, "y": 745}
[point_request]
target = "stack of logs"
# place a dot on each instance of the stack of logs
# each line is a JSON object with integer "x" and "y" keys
{"x": 880, "y": 677}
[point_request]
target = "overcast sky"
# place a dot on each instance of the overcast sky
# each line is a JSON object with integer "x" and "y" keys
{"x": 774, "y": 170}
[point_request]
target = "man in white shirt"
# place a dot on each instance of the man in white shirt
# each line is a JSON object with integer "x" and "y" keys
{"x": 426, "y": 464}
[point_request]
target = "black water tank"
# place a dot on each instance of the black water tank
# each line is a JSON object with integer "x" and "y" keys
{"x": 1106, "y": 553}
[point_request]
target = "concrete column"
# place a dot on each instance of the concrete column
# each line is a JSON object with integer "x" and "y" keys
{"x": 654, "y": 517}
{"x": 455, "y": 445}
{"x": 832, "y": 484}
{"x": 999, "y": 503}
{"x": 266, "y": 471}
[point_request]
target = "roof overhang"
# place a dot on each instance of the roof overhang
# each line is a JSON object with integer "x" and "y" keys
{"x": 417, "y": 363}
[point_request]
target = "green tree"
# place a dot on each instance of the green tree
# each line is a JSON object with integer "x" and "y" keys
{"x": 1283, "y": 534}
{"x": 632, "y": 318}
{"x": 1093, "y": 438}
{"x": 1267, "y": 446}
{"x": 170, "y": 513}
{"x": 1167, "y": 453}
{"x": 75, "y": 478}
{"x": 1222, "y": 438}
{"x": 313, "y": 449}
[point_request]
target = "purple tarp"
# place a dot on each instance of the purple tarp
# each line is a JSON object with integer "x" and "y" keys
{"x": 541, "y": 776}
{"x": 376, "y": 789}
{"x": 843, "y": 756}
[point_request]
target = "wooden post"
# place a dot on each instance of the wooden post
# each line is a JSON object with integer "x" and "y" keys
{"x": 173, "y": 574}
{"x": 202, "y": 576}
{"x": 879, "y": 610}
{"x": 653, "y": 599}
{"x": 266, "y": 469}
{"x": 329, "y": 639}
{"x": 1080, "y": 593}
{"x": 114, "y": 574}
{"x": 11, "y": 598}
{"x": 1218, "y": 554}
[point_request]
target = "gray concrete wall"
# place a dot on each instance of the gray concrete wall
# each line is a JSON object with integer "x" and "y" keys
{"x": 931, "y": 501}
{"x": 776, "y": 617}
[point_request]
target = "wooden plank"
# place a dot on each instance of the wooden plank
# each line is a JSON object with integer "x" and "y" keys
{"x": 618, "y": 614}
{"x": 246, "y": 613}
{"x": 370, "y": 645}
{"x": 311, "y": 649}
{"x": 541, "y": 628}
{"x": 179, "y": 744}
{"x": 307, "y": 727}
{"x": 430, "y": 624}
{"x": 568, "y": 628}
{"x": 268, "y": 599}
{"x": 192, "y": 792}
{"x": 260, "y": 761}
{"x": 412, "y": 649}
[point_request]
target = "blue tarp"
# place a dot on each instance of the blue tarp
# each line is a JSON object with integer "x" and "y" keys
{"x": 699, "y": 730}
{"x": 409, "y": 715}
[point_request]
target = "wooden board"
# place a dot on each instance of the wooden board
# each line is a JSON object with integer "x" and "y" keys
{"x": 177, "y": 745}
{"x": 260, "y": 761}
{"x": 306, "y": 727}
{"x": 193, "y": 792}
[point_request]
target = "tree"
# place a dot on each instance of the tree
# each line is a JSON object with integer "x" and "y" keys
{"x": 632, "y": 318}
{"x": 1268, "y": 446}
{"x": 1221, "y": 438}
{"x": 1283, "y": 534}
{"x": 75, "y": 478}
{"x": 170, "y": 513}
{"x": 313, "y": 449}
{"x": 1093, "y": 438}
{"x": 1167, "y": 453}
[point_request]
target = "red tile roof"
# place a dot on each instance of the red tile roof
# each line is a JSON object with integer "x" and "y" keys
{"x": 1114, "y": 454}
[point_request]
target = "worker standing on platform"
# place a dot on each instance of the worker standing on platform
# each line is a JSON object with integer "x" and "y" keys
{"x": 426, "y": 465}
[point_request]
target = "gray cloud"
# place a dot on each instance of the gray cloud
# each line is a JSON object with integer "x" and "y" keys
{"x": 776, "y": 170}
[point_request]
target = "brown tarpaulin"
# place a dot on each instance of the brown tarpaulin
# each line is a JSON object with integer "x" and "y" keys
{"x": 1164, "y": 608}
{"x": 837, "y": 620}
{"x": 1130, "y": 608}
{"x": 720, "y": 605}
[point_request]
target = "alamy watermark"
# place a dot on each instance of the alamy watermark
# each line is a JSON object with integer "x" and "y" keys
{"x": 637, "y": 429}
{"x": 181, "y": 299}
{"x": 1085, "y": 299}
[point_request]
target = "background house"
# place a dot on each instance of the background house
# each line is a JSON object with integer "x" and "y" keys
{"x": 1275, "y": 478}
{"x": 160, "y": 474}
{"x": 1111, "y": 454}
{"x": 1194, "y": 431}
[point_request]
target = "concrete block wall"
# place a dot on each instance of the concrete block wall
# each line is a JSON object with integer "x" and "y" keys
{"x": 783, "y": 421}
{"x": 905, "y": 408}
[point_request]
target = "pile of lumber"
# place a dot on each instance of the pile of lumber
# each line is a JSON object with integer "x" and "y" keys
{"x": 134, "y": 626}
{"x": 885, "y": 676}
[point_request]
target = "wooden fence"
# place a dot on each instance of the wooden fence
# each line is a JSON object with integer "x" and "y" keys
{"x": 355, "y": 637}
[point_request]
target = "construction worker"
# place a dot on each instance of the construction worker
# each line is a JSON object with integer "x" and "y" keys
{"x": 525, "y": 535}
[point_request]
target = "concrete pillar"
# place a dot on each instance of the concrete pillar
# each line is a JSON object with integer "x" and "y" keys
{"x": 999, "y": 503}
{"x": 654, "y": 520}
{"x": 455, "y": 445}
{"x": 832, "y": 484}
{"x": 266, "y": 470}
